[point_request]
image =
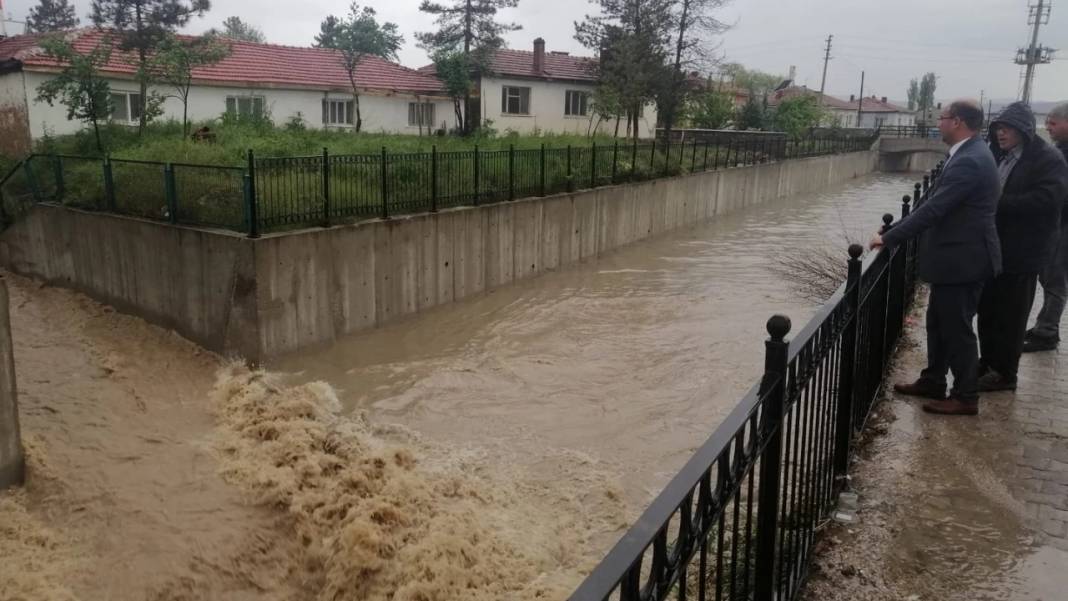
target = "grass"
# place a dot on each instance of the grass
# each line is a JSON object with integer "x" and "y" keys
{"x": 164, "y": 142}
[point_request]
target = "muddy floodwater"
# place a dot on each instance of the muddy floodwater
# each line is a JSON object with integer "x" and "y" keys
{"x": 630, "y": 360}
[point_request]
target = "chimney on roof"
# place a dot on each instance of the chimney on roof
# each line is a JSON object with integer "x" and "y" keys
{"x": 539, "y": 55}
{"x": 884, "y": 100}
{"x": 852, "y": 97}
{"x": 793, "y": 72}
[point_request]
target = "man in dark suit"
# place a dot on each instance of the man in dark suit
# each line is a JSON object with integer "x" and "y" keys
{"x": 1034, "y": 185}
{"x": 959, "y": 251}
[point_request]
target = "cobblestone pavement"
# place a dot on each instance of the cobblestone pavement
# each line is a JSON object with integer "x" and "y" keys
{"x": 958, "y": 508}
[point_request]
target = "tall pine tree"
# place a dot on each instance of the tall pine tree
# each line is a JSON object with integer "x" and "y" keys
{"x": 468, "y": 27}
{"x": 141, "y": 26}
{"x": 694, "y": 29}
{"x": 236, "y": 29}
{"x": 51, "y": 15}
{"x": 355, "y": 37}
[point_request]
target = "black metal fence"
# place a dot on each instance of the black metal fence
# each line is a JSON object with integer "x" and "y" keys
{"x": 740, "y": 519}
{"x": 276, "y": 193}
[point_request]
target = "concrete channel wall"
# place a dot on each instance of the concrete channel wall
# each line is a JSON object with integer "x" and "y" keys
{"x": 11, "y": 456}
{"x": 282, "y": 292}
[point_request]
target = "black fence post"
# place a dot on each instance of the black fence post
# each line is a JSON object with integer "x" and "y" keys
{"x": 543, "y": 169}
{"x": 57, "y": 169}
{"x": 704, "y": 164}
{"x": 916, "y": 192}
{"x": 477, "y": 177}
{"x": 693, "y": 157}
{"x": 109, "y": 185}
{"x": 326, "y": 187}
{"x": 773, "y": 389}
{"x": 385, "y": 190}
{"x": 170, "y": 192}
{"x": 727, "y": 160}
{"x": 251, "y": 202}
{"x": 843, "y": 429}
{"x": 434, "y": 178}
{"x": 634, "y": 158}
{"x": 511, "y": 172}
{"x": 652, "y": 158}
{"x": 593, "y": 165}
{"x": 570, "y": 181}
{"x": 926, "y": 184}
{"x": 615, "y": 161}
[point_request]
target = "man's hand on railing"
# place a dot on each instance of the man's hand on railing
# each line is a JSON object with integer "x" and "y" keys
{"x": 876, "y": 242}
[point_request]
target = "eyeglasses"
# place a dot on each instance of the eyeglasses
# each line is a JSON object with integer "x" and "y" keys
{"x": 941, "y": 118}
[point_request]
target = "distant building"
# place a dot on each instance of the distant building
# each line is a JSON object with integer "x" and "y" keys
{"x": 551, "y": 91}
{"x": 839, "y": 113}
{"x": 877, "y": 112}
{"x": 871, "y": 113}
{"x": 280, "y": 82}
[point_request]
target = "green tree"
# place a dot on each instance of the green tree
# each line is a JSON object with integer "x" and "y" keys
{"x": 751, "y": 116}
{"x": 141, "y": 25}
{"x": 51, "y": 15}
{"x": 694, "y": 30}
{"x": 469, "y": 27}
{"x": 710, "y": 110}
{"x": 452, "y": 69}
{"x": 79, "y": 85}
{"x": 631, "y": 38}
{"x": 236, "y": 29}
{"x": 175, "y": 59}
{"x": 797, "y": 115}
{"x": 914, "y": 94}
{"x": 926, "y": 98}
{"x": 749, "y": 79}
{"x": 356, "y": 37}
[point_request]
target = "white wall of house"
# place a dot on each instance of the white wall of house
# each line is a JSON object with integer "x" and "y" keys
{"x": 547, "y": 108}
{"x": 381, "y": 113}
{"x": 873, "y": 120}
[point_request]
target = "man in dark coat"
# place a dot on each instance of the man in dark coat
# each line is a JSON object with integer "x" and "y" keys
{"x": 959, "y": 251}
{"x": 1034, "y": 179}
{"x": 1054, "y": 278}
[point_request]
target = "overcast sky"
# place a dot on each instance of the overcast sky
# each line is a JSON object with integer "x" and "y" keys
{"x": 969, "y": 44}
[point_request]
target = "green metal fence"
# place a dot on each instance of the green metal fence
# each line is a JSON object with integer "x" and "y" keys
{"x": 270, "y": 194}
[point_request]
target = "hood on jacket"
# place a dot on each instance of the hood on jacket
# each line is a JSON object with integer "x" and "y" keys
{"x": 1017, "y": 115}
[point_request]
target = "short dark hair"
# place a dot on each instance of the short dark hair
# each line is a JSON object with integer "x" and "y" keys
{"x": 969, "y": 112}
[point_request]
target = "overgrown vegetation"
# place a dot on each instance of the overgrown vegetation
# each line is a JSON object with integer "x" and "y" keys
{"x": 163, "y": 141}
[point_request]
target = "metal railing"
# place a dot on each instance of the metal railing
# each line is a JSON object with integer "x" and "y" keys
{"x": 322, "y": 190}
{"x": 739, "y": 520}
{"x": 908, "y": 131}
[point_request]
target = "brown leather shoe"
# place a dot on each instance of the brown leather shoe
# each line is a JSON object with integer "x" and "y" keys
{"x": 952, "y": 406}
{"x": 922, "y": 388}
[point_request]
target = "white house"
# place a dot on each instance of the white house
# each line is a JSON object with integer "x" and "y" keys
{"x": 877, "y": 112}
{"x": 282, "y": 82}
{"x": 526, "y": 91}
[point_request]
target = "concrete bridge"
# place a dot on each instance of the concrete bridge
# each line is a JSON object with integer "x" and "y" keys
{"x": 910, "y": 154}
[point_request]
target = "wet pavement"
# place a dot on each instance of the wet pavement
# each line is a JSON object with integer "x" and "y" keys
{"x": 960, "y": 508}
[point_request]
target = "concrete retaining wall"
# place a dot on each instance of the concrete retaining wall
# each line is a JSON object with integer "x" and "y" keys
{"x": 11, "y": 458}
{"x": 283, "y": 292}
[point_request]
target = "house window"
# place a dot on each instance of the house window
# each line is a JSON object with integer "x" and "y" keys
{"x": 126, "y": 107}
{"x": 515, "y": 100}
{"x": 337, "y": 112}
{"x": 245, "y": 106}
{"x": 420, "y": 114}
{"x": 576, "y": 103}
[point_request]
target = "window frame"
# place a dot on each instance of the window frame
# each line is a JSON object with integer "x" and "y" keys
{"x": 570, "y": 98}
{"x": 335, "y": 107}
{"x": 523, "y": 93}
{"x": 128, "y": 107}
{"x": 251, "y": 99}
{"x": 421, "y": 109}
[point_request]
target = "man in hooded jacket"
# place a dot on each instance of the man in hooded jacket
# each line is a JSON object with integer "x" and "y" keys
{"x": 1034, "y": 183}
{"x": 1054, "y": 279}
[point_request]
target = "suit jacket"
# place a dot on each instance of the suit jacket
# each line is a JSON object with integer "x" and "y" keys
{"x": 959, "y": 243}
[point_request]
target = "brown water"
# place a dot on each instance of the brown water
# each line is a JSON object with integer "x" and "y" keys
{"x": 628, "y": 361}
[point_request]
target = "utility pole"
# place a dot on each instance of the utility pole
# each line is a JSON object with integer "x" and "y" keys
{"x": 860, "y": 101}
{"x": 826, "y": 59}
{"x": 1038, "y": 15}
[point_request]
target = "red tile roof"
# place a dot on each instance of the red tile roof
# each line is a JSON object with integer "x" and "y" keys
{"x": 828, "y": 100}
{"x": 876, "y": 105}
{"x": 520, "y": 63}
{"x": 251, "y": 64}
